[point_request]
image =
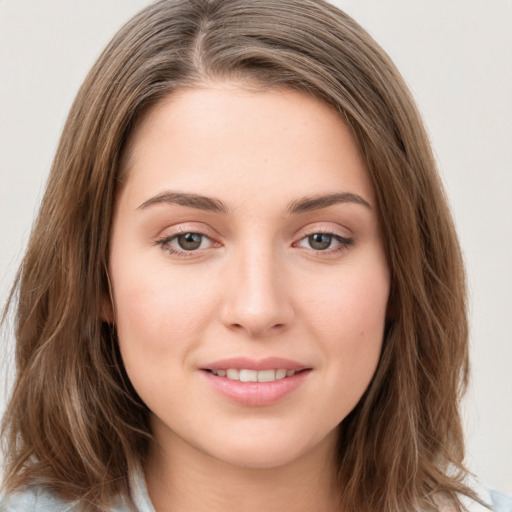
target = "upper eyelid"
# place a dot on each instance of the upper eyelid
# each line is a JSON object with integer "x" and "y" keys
{"x": 204, "y": 230}
{"x": 327, "y": 230}
{"x": 186, "y": 227}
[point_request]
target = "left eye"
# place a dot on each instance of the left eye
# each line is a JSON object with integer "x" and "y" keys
{"x": 189, "y": 241}
{"x": 323, "y": 241}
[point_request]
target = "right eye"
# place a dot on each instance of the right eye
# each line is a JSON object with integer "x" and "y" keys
{"x": 183, "y": 243}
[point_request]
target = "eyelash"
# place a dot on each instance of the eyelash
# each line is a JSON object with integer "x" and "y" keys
{"x": 165, "y": 243}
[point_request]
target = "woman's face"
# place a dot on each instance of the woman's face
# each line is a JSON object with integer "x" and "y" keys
{"x": 249, "y": 277}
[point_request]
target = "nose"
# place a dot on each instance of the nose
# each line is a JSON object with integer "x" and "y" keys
{"x": 257, "y": 298}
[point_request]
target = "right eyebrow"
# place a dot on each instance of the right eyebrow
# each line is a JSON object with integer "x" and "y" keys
{"x": 184, "y": 199}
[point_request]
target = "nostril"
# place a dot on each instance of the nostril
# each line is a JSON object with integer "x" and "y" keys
{"x": 275, "y": 327}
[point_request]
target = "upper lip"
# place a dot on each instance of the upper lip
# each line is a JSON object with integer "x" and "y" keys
{"x": 268, "y": 363}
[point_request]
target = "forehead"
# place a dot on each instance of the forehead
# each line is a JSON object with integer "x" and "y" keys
{"x": 217, "y": 139}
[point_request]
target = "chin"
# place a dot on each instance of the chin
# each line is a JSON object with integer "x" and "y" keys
{"x": 270, "y": 449}
{"x": 259, "y": 457}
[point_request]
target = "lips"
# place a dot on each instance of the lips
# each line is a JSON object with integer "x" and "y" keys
{"x": 248, "y": 375}
{"x": 256, "y": 383}
{"x": 268, "y": 363}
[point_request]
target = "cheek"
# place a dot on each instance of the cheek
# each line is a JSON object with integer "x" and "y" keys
{"x": 159, "y": 315}
{"x": 158, "y": 320}
{"x": 349, "y": 323}
{"x": 157, "y": 298}
{"x": 350, "y": 306}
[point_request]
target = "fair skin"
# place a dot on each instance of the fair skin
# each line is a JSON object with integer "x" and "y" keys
{"x": 258, "y": 270}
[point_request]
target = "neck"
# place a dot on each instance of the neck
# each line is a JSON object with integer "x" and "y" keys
{"x": 190, "y": 480}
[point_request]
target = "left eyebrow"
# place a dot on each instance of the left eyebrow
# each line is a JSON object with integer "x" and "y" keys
{"x": 307, "y": 204}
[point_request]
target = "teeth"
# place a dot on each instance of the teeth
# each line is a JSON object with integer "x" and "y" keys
{"x": 233, "y": 374}
{"x": 280, "y": 374}
{"x": 248, "y": 376}
{"x": 245, "y": 375}
{"x": 266, "y": 375}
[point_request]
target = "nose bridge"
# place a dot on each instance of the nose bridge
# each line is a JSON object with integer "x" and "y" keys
{"x": 257, "y": 300}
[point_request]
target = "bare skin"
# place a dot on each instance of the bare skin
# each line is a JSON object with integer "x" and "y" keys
{"x": 185, "y": 482}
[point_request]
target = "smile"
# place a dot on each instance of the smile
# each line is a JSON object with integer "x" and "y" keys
{"x": 260, "y": 385}
{"x": 248, "y": 375}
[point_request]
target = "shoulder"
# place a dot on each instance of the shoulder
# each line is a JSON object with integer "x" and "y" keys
{"x": 38, "y": 499}
{"x": 34, "y": 499}
{"x": 496, "y": 501}
{"x": 500, "y": 502}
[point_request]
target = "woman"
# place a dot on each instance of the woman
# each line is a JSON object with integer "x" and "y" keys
{"x": 243, "y": 288}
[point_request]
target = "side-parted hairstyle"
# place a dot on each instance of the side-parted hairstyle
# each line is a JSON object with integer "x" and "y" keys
{"x": 74, "y": 423}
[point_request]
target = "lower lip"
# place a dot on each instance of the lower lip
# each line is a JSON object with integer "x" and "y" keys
{"x": 256, "y": 394}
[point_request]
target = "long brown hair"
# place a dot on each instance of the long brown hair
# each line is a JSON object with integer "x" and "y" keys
{"x": 74, "y": 423}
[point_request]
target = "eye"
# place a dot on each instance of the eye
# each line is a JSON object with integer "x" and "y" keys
{"x": 325, "y": 242}
{"x": 189, "y": 241}
{"x": 320, "y": 241}
{"x": 184, "y": 243}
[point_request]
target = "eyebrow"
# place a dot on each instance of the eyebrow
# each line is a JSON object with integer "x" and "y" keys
{"x": 184, "y": 199}
{"x": 307, "y": 204}
{"x": 211, "y": 204}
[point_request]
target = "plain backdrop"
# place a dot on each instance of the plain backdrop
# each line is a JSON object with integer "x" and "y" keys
{"x": 456, "y": 55}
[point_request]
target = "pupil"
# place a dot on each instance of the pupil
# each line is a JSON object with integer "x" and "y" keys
{"x": 189, "y": 241}
{"x": 320, "y": 241}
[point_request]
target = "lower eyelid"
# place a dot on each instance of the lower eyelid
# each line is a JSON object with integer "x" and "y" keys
{"x": 340, "y": 245}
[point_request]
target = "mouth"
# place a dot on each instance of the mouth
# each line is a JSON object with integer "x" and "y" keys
{"x": 256, "y": 382}
{"x": 250, "y": 375}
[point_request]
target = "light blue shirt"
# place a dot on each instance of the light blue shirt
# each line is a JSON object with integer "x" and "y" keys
{"x": 40, "y": 500}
